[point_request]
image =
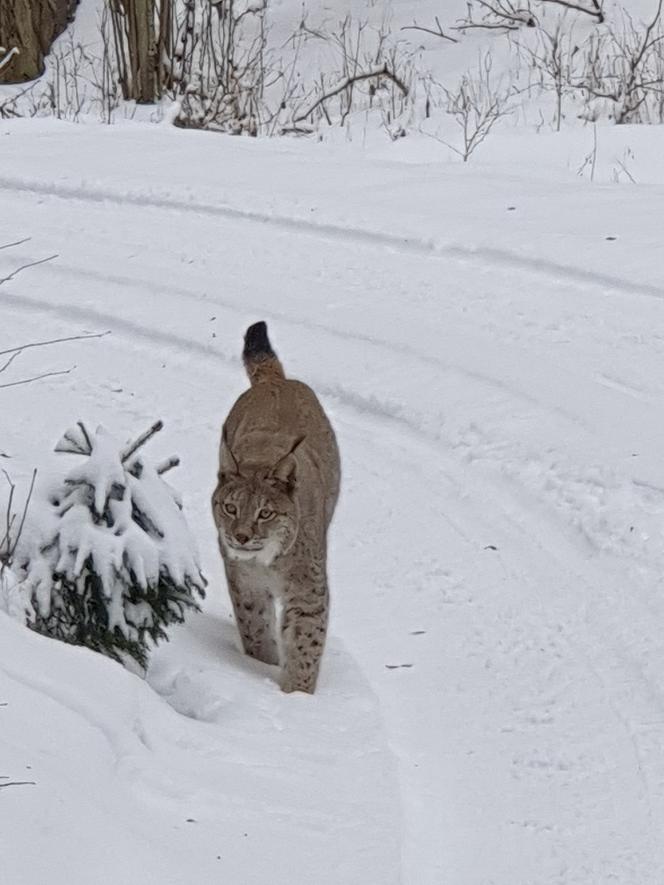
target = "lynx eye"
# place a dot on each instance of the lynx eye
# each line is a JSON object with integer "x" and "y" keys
{"x": 265, "y": 513}
{"x": 230, "y": 509}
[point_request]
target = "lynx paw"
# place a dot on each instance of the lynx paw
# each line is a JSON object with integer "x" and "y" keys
{"x": 288, "y": 686}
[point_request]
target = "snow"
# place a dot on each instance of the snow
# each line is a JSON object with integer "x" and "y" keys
{"x": 124, "y": 549}
{"x": 487, "y": 341}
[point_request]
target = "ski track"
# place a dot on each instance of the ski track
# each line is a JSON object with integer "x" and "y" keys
{"x": 493, "y": 483}
{"x": 473, "y": 444}
{"x": 406, "y": 433}
{"x": 62, "y": 309}
{"x": 538, "y": 267}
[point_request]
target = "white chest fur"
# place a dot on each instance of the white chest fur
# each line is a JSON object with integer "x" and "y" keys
{"x": 265, "y": 556}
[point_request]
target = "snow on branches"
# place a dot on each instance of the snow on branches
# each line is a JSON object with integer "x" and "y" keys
{"x": 116, "y": 563}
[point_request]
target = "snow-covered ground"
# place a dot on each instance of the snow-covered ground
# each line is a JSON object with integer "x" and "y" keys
{"x": 488, "y": 341}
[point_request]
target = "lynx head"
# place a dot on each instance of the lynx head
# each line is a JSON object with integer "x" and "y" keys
{"x": 254, "y": 507}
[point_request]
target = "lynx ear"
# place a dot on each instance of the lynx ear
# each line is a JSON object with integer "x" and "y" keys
{"x": 285, "y": 470}
{"x": 228, "y": 465}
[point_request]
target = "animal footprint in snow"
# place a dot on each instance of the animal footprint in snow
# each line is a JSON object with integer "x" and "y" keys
{"x": 192, "y": 699}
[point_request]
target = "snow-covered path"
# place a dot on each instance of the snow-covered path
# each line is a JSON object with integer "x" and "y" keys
{"x": 490, "y": 709}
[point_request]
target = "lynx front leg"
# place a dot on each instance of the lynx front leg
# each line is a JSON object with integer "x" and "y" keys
{"x": 255, "y": 617}
{"x": 303, "y": 638}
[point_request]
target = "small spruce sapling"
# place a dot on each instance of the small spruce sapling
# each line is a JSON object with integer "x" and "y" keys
{"x": 118, "y": 565}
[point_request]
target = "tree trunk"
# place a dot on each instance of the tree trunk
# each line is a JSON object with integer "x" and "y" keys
{"x": 138, "y": 48}
{"x": 31, "y": 26}
{"x": 146, "y": 51}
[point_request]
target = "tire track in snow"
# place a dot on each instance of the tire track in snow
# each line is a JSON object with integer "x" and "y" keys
{"x": 410, "y": 434}
{"x": 541, "y": 267}
{"x": 361, "y": 406}
{"x": 358, "y": 404}
{"x": 89, "y": 314}
{"x": 389, "y": 415}
{"x": 550, "y": 487}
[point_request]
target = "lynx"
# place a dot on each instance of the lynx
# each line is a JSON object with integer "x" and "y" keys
{"x": 277, "y": 488}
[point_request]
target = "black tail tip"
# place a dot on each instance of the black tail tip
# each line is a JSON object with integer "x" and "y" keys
{"x": 256, "y": 341}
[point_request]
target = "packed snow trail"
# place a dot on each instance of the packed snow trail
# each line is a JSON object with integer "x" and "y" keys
{"x": 490, "y": 709}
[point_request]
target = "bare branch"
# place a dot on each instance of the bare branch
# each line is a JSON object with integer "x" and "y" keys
{"x": 596, "y": 11}
{"x": 12, "y": 548}
{"x": 141, "y": 440}
{"x": 167, "y": 465}
{"x": 10, "y": 361}
{"x": 624, "y": 66}
{"x": 7, "y": 544}
{"x": 383, "y": 71}
{"x": 499, "y": 15}
{"x": 8, "y": 57}
{"x": 23, "y": 267}
{"x": 23, "y": 347}
{"x": 16, "y": 243}
{"x": 37, "y": 378}
{"x": 438, "y": 32}
{"x": 9, "y": 519}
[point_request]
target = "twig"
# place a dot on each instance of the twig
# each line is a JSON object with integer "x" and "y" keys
{"x": 488, "y": 26}
{"x": 167, "y": 465}
{"x": 37, "y": 378}
{"x": 9, "y": 516}
{"x": 10, "y": 361}
{"x": 86, "y": 435}
{"x": 597, "y": 11}
{"x": 8, "y": 57}
{"x": 626, "y": 171}
{"x": 141, "y": 440}
{"x": 18, "y": 270}
{"x": 17, "y": 243}
{"x": 436, "y": 33}
{"x": 506, "y": 16}
{"x": 12, "y": 550}
{"x": 53, "y": 341}
{"x": 18, "y": 784}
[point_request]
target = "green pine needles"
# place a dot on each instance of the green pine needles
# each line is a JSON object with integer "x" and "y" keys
{"x": 118, "y": 565}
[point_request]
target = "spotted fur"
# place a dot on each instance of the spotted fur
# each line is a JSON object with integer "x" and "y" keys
{"x": 277, "y": 489}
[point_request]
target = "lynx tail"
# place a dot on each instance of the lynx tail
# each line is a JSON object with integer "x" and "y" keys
{"x": 260, "y": 360}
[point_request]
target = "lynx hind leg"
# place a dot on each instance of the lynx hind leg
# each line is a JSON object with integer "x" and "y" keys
{"x": 303, "y": 639}
{"x": 256, "y": 620}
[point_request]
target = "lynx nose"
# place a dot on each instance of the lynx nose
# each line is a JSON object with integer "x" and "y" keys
{"x": 241, "y": 537}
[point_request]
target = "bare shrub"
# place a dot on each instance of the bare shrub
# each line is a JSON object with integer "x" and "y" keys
{"x": 623, "y": 67}
{"x": 508, "y": 15}
{"x": 554, "y": 58}
{"x": 477, "y": 103}
{"x": 218, "y": 73}
{"x": 14, "y": 521}
{"x": 370, "y": 72}
{"x": 497, "y": 15}
{"x": 78, "y": 82}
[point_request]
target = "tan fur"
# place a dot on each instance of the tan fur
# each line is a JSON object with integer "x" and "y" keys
{"x": 278, "y": 456}
{"x": 267, "y": 368}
